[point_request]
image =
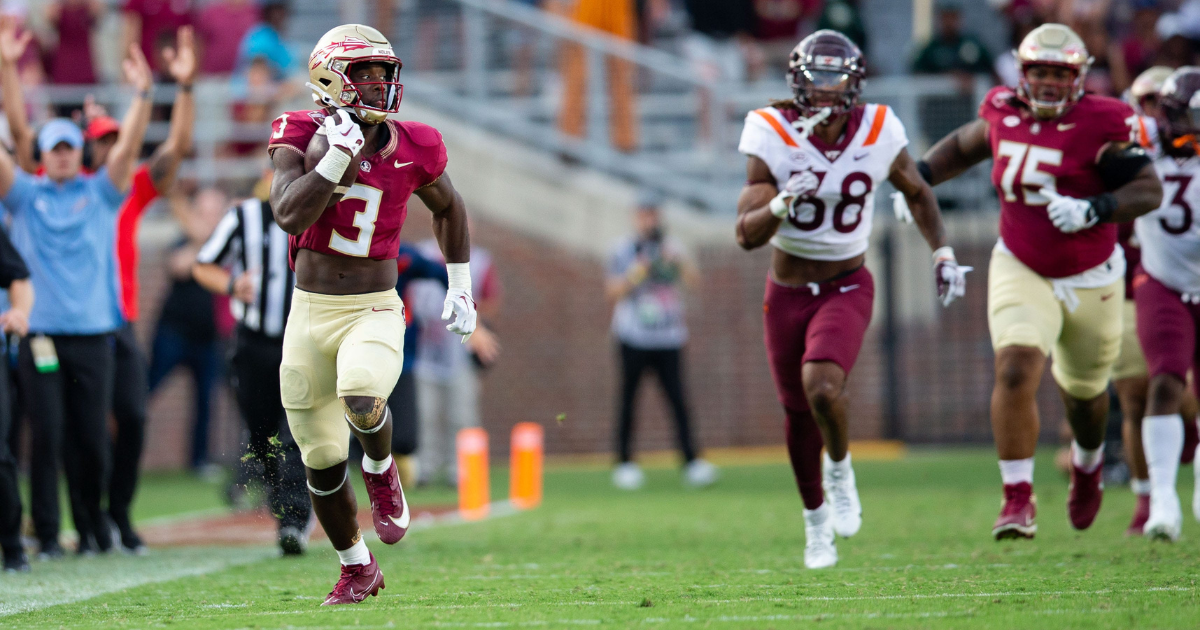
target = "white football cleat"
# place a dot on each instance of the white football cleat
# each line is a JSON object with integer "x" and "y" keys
{"x": 628, "y": 476}
{"x": 819, "y": 549}
{"x": 1166, "y": 517}
{"x": 837, "y": 479}
{"x": 700, "y": 473}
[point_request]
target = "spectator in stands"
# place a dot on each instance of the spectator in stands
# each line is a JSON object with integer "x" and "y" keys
{"x": 14, "y": 277}
{"x": 844, "y": 17}
{"x": 1136, "y": 52}
{"x": 258, "y": 99}
{"x": 615, "y": 17}
{"x": 71, "y": 60}
{"x": 777, "y": 28}
{"x": 186, "y": 333}
{"x": 1005, "y": 66}
{"x": 951, "y": 50}
{"x": 221, "y": 25}
{"x": 719, "y": 47}
{"x": 446, "y": 368}
{"x": 64, "y": 227}
{"x": 647, "y": 274}
{"x": 152, "y": 24}
{"x": 266, "y": 41}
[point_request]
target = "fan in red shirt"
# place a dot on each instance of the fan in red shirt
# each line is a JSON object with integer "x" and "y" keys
{"x": 151, "y": 179}
{"x": 1067, "y": 169}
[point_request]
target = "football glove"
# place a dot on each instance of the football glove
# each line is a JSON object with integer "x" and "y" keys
{"x": 951, "y": 277}
{"x": 342, "y": 132}
{"x": 1069, "y": 214}
{"x": 900, "y": 207}
{"x": 461, "y": 305}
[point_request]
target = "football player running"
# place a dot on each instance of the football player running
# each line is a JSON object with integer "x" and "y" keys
{"x": 1168, "y": 297}
{"x": 344, "y": 336}
{"x": 813, "y": 165}
{"x": 1068, "y": 169}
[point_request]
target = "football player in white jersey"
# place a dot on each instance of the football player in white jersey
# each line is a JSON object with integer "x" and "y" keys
{"x": 814, "y": 163}
{"x": 1168, "y": 296}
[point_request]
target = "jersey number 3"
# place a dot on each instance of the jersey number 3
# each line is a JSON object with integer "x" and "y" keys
{"x": 1032, "y": 179}
{"x": 1179, "y": 201}
{"x": 364, "y": 220}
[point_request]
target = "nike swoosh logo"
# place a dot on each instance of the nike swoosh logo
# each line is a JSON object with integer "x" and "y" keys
{"x": 859, "y": 156}
{"x": 405, "y": 517}
{"x": 397, "y": 164}
{"x": 1065, "y": 126}
{"x": 848, "y": 288}
{"x": 1104, "y": 298}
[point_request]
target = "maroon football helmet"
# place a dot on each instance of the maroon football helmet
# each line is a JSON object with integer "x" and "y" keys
{"x": 1179, "y": 112}
{"x": 826, "y": 69}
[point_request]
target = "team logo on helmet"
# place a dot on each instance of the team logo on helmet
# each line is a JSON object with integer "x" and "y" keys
{"x": 329, "y": 70}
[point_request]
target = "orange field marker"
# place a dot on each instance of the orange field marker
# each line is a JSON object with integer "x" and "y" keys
{"x": 473, "y": 488}
{"x": 525, "y": 464}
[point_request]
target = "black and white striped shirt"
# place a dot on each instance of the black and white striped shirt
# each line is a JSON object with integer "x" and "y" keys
{"x": 247, "y": 240}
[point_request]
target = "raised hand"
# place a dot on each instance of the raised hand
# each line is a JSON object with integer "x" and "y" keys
{"x": 92, "y": 110}
{"x": 137, "y": 71}
{"x": 12, "y": 46}
{"x": 181, "y": 60}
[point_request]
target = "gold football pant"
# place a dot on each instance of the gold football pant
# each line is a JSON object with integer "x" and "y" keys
{"x": 336, "y": 346}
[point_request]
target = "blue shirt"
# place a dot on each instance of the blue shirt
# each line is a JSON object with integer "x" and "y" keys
{"x": 651, "y": 316}
{"x": 413, "y": 266}
{"x": 264, "y": 41}
{"x": 67, "y": 235}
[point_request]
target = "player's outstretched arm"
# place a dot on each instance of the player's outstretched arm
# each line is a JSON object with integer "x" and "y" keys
{"x": 953, "y": 155}
{"x": 951, "y": 278}
{"x": 761, "y": 206}
{"x": 124, "y": 154}
{"x": 11, "y": 50}
{"x": 450, "y": 229}
{"x": 164, "y": 164}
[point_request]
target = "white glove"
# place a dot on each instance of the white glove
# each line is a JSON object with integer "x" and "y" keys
{"x": 900, "y": 207}
{"x": 342, "y": 132}
{"x": 781, "y": 205}
{"x": 1069, "y": 214}
{"x": 951, "y": 277}
{"x": 461, "y": 305}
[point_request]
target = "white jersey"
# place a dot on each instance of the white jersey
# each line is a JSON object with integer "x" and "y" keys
{"x": 1147, "y": 136}
{"x": 1170, "y": 236}
{"x": 831, "y": 218}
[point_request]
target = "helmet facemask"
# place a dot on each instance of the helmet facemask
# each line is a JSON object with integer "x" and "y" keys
{"x": 358, "y": 95}
{"x": 818, "y": 89}
{"x": 1032, "y": 89}
{"x": 1181, "y": 126}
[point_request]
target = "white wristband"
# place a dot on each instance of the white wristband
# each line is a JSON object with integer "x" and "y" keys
{"x": 333, "y": 165}
{"x": 778, "y": 206}
{"x": 459, "y": 276}
{"x": 944, "y": 253}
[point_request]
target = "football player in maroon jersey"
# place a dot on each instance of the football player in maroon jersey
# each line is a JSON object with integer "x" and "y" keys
{"x": 1068, "y": 169}
{"x": 345, "y": 332}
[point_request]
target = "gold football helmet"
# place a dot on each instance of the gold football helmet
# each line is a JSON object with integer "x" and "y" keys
{"x": 1144, "y": 91}
{"x": 1052, "y": 45}
{"x": 329, "y": 72}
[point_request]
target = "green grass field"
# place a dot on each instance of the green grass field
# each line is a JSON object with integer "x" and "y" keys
{"x": 726, "y": 557}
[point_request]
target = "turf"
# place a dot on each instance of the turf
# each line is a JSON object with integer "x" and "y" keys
{"x": 726, "y": 557}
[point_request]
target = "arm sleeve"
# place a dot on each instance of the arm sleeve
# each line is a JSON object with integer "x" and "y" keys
{"x": 227, "y": 234}
{"x": 12, "y": 266}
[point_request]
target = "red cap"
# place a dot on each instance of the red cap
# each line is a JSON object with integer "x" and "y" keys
{"x": 102, "y": 126}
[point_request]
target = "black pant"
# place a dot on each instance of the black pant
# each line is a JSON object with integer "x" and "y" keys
{"x": 255, "y": 381}
{"x": 403, "y": 405}
{"x": 129, "y": 410}
{"x": 68, "y": 410}
{"x": 10, "y": 500}
{"x": 665, "y": 363}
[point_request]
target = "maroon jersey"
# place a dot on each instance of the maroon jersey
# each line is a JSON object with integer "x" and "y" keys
{"x": 366, "y": 222}
{"x": 1059, "y": 154}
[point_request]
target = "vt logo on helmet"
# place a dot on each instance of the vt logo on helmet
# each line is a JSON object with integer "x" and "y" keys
{"x": 353, "y": 67}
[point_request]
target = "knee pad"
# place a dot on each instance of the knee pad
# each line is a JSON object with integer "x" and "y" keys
{"x": 296, "y": 386}
{"x": 321, "y": 456}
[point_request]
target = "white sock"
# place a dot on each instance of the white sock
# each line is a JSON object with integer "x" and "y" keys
{"x": 842, "y": 466}
{"x": 1086, "y": 459}
{"x": 376, "y": 467}
{"x": 1140, "y": 487}
{"x": 1016, "y": 471}
{"x": 1162, "y": 440}
{"x": 356, "y": 554}
{"x": 817, "y": 516}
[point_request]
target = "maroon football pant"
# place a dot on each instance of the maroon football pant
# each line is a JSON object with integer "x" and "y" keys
{"x": 821, "y": 322}
{"x": 1167, "y": 329}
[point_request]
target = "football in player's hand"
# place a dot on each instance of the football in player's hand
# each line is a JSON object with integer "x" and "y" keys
{"x": 317, "y": 148}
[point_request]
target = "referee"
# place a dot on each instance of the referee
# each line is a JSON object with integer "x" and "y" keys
{"x": 247, "y": 258}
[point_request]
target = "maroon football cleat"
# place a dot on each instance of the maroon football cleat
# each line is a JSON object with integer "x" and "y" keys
{"x": 1016, "y": 517}
{"x": 1140, "y": 514}
{"x": 1084, "y": 495}
{"x": 357, "y": 582}
{"x": 1191, "y": 438}
{"x": 389, "y": 509}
